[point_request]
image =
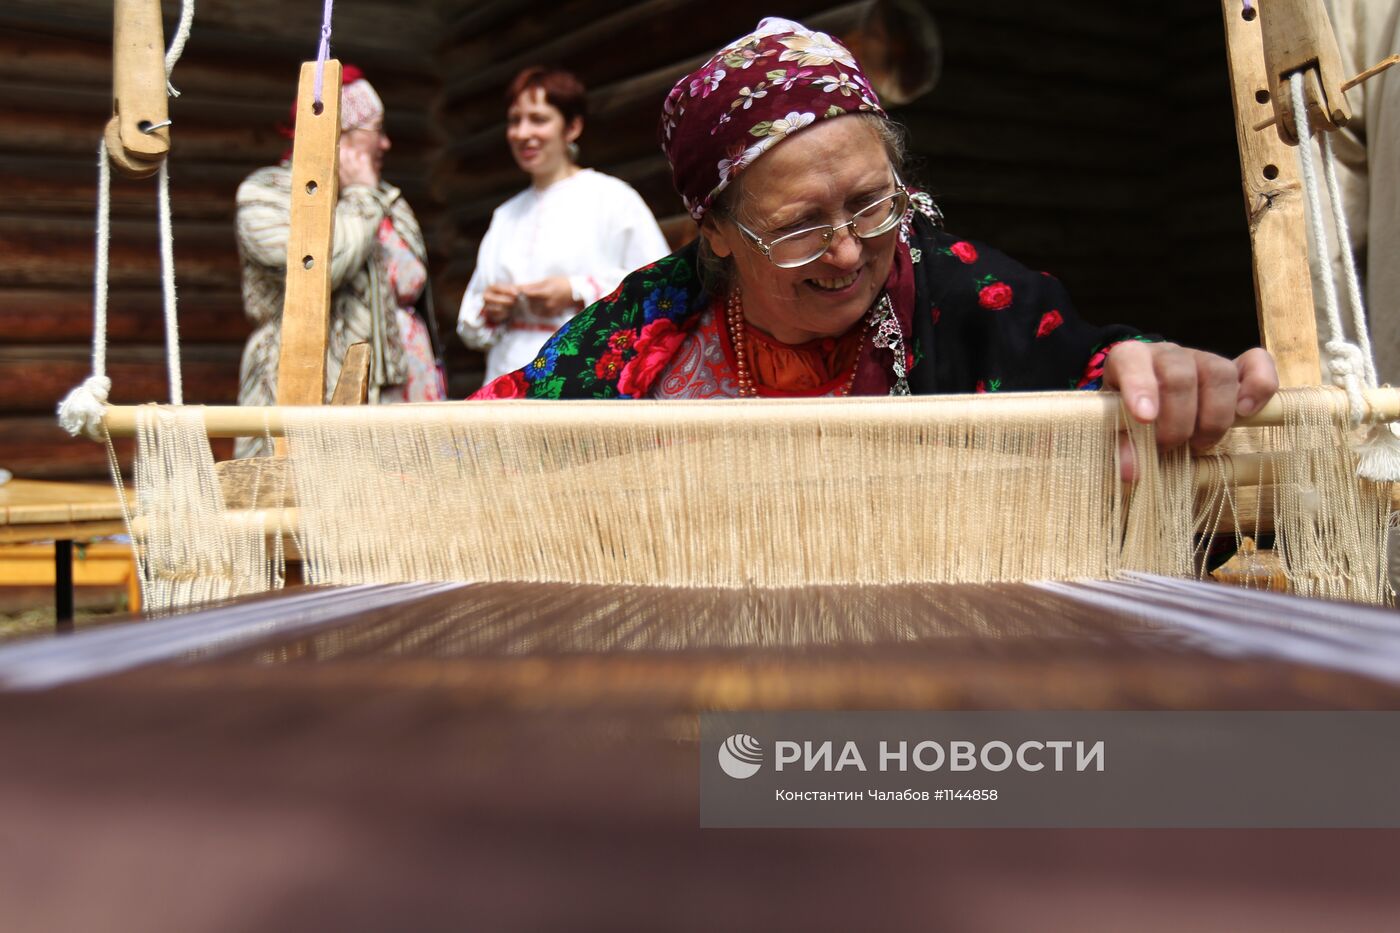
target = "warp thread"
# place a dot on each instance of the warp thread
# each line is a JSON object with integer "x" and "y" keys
{"x": 767, "y": 494}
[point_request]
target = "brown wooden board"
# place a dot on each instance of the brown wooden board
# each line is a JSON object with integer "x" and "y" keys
{"x": 539, "y": 786}
{"x": 301, "y": 372}
{"x": 1273, "y": 195}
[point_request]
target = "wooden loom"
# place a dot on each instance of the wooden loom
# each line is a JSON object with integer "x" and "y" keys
{"x": 526, "y": 752}
{"x": 1290, "y": 38}
{"x": 1273, "y": 204}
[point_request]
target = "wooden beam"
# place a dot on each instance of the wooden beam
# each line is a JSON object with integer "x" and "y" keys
{"x": 1274, "y": 208}
{"x": 255, "y": 421}
{"x": 301, "y": 373}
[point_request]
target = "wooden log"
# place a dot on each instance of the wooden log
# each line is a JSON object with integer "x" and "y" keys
{"x": 35, "y": 447}
{"x": 301, "y": 373}
{"x": 642, "y": 28}
{"x": 374, "y": 33}
{"x": 50, "y": 251}
{"x": 37, "y": 377}
{"x": 55, "y": 315}
{"x": 472, "y": 100}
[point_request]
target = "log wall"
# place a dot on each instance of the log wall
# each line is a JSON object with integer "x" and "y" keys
{"x": 237, "y": 78}
{"x": 1088, "y": 138}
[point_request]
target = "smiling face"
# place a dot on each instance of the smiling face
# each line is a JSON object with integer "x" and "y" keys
{"x": 819, "y": 176}
{"x": 538, "y": 136}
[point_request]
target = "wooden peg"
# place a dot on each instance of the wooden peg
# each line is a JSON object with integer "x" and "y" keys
{"x": 352, "y": 388}
{"x": 301, "y": 371}
{"x": 138, "y": 135}
{"x": 1387, "y": 62}
{"x": 1298, "y": 36}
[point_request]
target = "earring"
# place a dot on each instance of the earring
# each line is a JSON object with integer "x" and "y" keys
{"x": 573, "y": 152}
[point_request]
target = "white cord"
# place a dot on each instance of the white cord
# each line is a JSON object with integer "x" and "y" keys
{"x": 1350, "y": 278}
{"x": 167, "y": 274}
{"x": 99, "y": 273}
{"x": 167, "y": 244}
{"x": 1378, "y": 455}
{"x": 81, "y": 410}
{"x": 177, "y": 44}
{"x": 1344, "y": 359}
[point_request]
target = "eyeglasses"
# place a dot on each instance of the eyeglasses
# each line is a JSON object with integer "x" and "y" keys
{"x": 797, "y": 249}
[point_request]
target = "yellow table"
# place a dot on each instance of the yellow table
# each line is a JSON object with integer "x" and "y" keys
{"x": 37, "y": 510}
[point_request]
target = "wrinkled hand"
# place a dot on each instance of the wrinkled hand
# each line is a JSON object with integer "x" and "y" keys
{"x": 498, "y": 302}
{"x": 357, "y": 168}
{"x": 1191, "y": 396}
{"x": 550, "y": 296}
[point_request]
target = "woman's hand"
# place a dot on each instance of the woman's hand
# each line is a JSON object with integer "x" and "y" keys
{"x": 498, "y": 301}
{"x": 1191, "y": 395}
{"x": 357, "y": 167}
{"x": 550, "y": 296}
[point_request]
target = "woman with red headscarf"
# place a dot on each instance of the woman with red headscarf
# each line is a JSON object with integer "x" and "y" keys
{"x": 818, "y": 271}
{"x": 379, "y": 272}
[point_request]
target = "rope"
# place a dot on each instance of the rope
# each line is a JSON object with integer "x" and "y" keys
{"x": 167, "y": 245}
{"x": 81, "y": 410}
{"x": 99, "y": 277}
{"x": 167, "y": 272}
{"x": 177, "y": 44}
{"x": 1344, "y": 359}
{"x": 1350, "y": 277}
{"x": 1353, "y": 366}
{"x": 323, "y": 51}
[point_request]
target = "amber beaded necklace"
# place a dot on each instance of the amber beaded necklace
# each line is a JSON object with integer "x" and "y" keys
{"x": 744, "y": 377}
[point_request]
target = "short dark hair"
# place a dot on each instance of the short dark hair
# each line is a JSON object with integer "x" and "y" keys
{"x": 562, "y": 90}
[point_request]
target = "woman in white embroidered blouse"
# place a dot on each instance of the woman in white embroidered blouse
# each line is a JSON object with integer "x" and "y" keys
{"x": 559, "y": 245}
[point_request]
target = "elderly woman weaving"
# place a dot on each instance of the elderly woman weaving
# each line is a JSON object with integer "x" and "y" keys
{"x": 819, "y": 272}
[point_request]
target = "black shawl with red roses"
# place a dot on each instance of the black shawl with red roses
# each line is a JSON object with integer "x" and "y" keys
{"x": 973, "y": 321}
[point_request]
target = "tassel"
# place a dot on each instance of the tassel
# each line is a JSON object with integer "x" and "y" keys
{"x": 81, "y": 410}
{"x": 1378, "y": 456}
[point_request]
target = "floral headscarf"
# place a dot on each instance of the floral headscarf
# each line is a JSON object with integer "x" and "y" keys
{"x": 754, "y": 92}
{"x": 360, "y": 106}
